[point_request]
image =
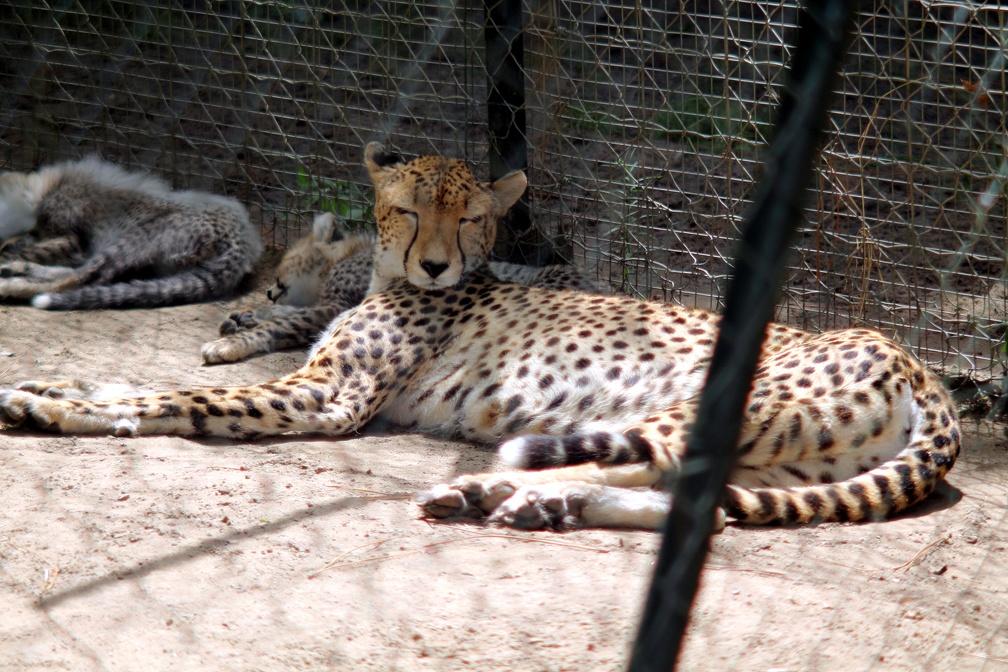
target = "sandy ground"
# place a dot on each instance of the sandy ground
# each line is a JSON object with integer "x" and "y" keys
{"x": 165, "y": 553}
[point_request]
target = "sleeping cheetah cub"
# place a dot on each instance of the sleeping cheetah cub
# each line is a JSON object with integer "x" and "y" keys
{"x": 97, "y": 236}
{"x": 317, "y": 279}
{"x": 328, "y": 271}
{"x": 593, "y": 394}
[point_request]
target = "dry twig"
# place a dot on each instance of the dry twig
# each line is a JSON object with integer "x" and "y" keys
{"x": 921, "y": 553}
{"x": 50, "y": 573}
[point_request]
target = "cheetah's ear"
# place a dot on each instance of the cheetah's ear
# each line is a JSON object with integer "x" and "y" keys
{"x": 380, "y": 161}
{"x": 508, "y": 189}
{"x": 322, "y": 227}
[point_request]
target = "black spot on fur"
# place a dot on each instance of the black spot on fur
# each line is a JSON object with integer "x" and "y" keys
{"x": 198, "y": 420}
{"x": 825, "y": 439}
{"x": 557, "y": 400}
{"x": 169, "y": 410}
{"x": 796, "y": 472}
{"x": 250, "y": 409}
{"x": 513, "y": 403}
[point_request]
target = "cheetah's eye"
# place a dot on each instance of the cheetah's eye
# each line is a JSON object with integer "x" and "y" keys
{"x": 468, "y": 220}
{"x": 407, "y": 213}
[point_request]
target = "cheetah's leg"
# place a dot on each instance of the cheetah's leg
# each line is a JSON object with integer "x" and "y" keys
{"x": 334, "y": 394}
{"x": 65, "y": 250}
{"x": 286, "y": 327}
{"x": 31, "y": 270}
{"x": 38, "y": 281}
{"x": 244, "y": 413}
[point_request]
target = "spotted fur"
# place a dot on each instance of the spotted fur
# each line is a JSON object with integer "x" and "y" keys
{"x": 593, "y": 394}
{"x": 329, "y": 271}
{"x": 96, "y": 236}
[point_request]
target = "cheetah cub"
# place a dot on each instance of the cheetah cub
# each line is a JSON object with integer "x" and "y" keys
{"x": 329, "y": 271}
{"x": 317, "y": 279}
{"x": 593, "y": 395}
{"x": 97, "y": 236}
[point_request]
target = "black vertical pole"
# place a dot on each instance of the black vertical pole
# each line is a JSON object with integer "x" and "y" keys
{"x": 506, "y": 117}
{"x": 767, "y": 232}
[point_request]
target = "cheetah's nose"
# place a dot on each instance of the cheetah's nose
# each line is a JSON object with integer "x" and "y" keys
{"x": 433, "y": 268}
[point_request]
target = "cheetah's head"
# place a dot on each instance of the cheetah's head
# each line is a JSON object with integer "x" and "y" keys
{"x": 19, "y": 196}
{"x": 21, "y": 193}
{"x": 303, "y": 269}
{"x": 436, "y": 222}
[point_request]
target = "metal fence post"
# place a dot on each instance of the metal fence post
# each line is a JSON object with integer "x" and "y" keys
{"x": 506, "y": 120}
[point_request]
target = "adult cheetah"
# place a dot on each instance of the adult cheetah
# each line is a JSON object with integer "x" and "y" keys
{"x": 594, "y": 394}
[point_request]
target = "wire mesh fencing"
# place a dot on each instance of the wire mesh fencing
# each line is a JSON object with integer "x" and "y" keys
{"x": 648, "y": 127}
{"x": 644, "y": 123}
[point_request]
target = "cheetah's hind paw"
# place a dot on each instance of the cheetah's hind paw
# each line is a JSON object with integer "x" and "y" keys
{"x": 556, "y": 505}
{"x": 467, "y": 496}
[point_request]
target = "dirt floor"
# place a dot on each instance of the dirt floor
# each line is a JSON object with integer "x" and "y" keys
{"x": 165, "y": 553}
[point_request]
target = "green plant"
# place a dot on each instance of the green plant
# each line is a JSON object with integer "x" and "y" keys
{"x": 589, "y": 118}
{"x": 626, "y": 197}
{"x": 712, "y": 123}
{"x": 345, "y": 199}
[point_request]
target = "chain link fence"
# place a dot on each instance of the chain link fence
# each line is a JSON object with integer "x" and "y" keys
{"x": 644, "y": 127}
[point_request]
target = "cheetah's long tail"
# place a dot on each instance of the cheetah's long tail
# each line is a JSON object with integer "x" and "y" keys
{"x": 187, "y": 287}
{"x": 896, "y": 484}
{"x": 540, "y": 451}
{"x": 905, "y": 479}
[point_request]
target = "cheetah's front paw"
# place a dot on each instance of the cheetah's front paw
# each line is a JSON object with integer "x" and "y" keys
{"x": 444, "y": 501}
{"x": 83, "y": 390}
{"x": 21, "y": 408}
{"x": 58, "y": 389}
{"x": 222, "y": 351}
{"x": 21, "y": 289}
{"x": 28, "y": 270}
{"x": 237, "y": 321}
{"x": 554, "y": 505}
